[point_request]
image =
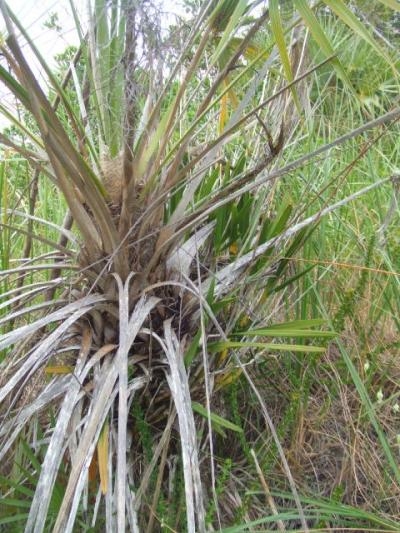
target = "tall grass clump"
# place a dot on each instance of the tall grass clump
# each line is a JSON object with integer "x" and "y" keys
{"x": 159, "y": 348}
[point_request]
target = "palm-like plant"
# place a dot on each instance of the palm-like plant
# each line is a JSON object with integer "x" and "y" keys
{"x": 169, "y": 170}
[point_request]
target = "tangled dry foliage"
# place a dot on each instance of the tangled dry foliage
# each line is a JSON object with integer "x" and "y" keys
{"x": 126, "y": 364}
{"x": 332, "y": 451}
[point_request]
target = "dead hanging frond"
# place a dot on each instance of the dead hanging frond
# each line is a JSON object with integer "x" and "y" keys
{"x": 108, "y": 384}
{"x": 180, "y": 390}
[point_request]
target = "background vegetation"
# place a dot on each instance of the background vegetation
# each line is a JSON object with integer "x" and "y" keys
{"x": 200, "y": 271}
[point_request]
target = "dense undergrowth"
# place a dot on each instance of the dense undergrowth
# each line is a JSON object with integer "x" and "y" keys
{"x": 216, "y": 356}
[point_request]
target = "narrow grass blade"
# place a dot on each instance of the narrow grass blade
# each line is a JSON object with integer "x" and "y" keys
{"x": 216, "y": 420}
{"x": 277, "y": 29}
{"x": 357, "y": 27}
{"x": 320, "y": 36}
